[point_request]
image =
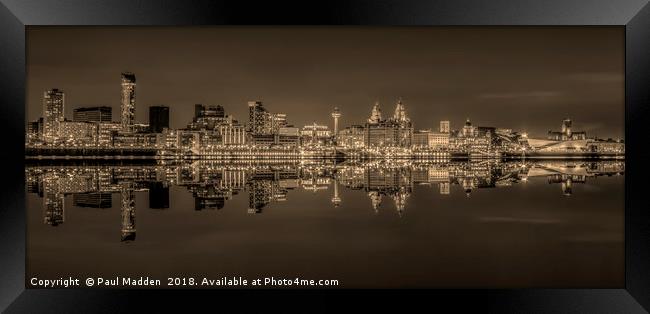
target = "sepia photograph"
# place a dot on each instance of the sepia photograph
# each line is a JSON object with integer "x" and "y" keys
{"x": 243, "y": 157}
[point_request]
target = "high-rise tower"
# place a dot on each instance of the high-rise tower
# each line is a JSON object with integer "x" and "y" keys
{"x": 53, "y": 106}
{"x": 258, "y": 118}
{"x": 128, "y": 101}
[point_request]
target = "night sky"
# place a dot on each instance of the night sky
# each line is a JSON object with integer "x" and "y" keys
{"x": 525, "y": 78}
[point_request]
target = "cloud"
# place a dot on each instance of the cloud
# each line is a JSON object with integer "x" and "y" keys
{"x": 597, "y": 77}
{"x": 518, "y": 95}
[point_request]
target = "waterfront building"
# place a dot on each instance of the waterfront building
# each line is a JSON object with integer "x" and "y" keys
{"x": 105, "y": 132}
{"x": 476, "y": 141}
{"x": 134, "y": 140}
{"x": 259, "y": 119}
{"x": 394, "y": 132}
{"x": 74, "y": 133}
{"x": 336, "y": 114}
{"x": 315, "y": 134}
{"x": 93, "y": 114}
{"x": 421, "y": 138}
{"x": 34, "y": 131}
{"x": 444, "y": 127}
{"x": 351, "y": 137}
{"x": 430, "y": 139}
{"x": 289, "y": 136}
{"x": 214, "y": 118}
{"x": 264, "y": 126}
{"x": 53, "y": 114}
{"x": 608, "y": 146}
{"x": 566, "y": 133}
{"x": 127, "y": 102}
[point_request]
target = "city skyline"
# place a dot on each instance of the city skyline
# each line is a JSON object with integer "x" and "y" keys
{"x": 335, "y": 68}
{"x": 212, "y": 133}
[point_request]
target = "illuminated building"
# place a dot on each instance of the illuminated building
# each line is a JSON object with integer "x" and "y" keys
{"x": 53, "y": 113}
{"x": 476, "y": 141}
{"x": 128, "y": 102}
{"x": 93, "y": 114}
{"x": 352, "y": 137}
{"x": 430, "y": 139}
{"x": 226, "y": 130}
{"x": 336, "y": 114}
{"x": 158, "y": 118}
{"x": 264, "y": 127}
{"x": 421, "y": 138}
{"x": 375, "y": 114}
{"x": 288, "y": 136}
{"x": 394, "y": 132}
{"x": 105, "y": 132}
{"x": 444, "y": 127}
{"x": 468, "y": 129}
{"x": 77, "y": 133}
{"x": 567, "y": 134}
{"x": 34, "y": 131}
{"x": 315, "y": 134}
{"x": 608, "y": 146}
{"x": 259, "y": 119}
{"x": 134, "y": 140}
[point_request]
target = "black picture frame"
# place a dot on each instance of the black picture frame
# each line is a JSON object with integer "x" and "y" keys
{"x": 15, "y": 15}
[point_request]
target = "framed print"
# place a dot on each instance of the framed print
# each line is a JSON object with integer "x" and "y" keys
{"x": 416, "y": 150}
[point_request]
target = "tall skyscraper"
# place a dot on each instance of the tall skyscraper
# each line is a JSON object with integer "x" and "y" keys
{"x": 53, "y": 115}
{"x": 158, "y": 118}
{"x": 128, "y": 101}
{"x": 444, "y": 126}
{"x": 258, "y": 118}
{"x": 93, "y": 114}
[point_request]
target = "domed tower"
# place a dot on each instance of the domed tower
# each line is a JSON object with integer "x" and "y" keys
{"x": 375, "y": 115}
{"x": 400, "y": 113}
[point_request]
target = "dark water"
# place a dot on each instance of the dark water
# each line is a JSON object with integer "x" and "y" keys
{"x": 382, "y": 224}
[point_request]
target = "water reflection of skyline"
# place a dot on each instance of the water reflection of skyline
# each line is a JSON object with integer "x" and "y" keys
{"x": 212, "y": 184}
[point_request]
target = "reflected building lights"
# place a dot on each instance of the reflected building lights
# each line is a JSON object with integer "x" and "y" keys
{"x": 212, "y": 184}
